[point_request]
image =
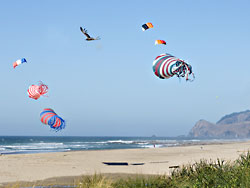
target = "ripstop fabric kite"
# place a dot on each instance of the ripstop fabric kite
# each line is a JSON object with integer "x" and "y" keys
{"x": 49, "y": 117}
{"x": 35, "y": 91}
{"x": 19, "y": 62}
{"x": 166, "y": 66}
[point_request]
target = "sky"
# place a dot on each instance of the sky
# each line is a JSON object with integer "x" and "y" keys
{"x": 107, "y": 87}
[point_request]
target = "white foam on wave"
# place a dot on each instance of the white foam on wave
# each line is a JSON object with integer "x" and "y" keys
{"x": 121, "y": 141}
{"x": 153, "y": 146}
{"x": 76, "y": 146}
{"x": 33, "y": 146}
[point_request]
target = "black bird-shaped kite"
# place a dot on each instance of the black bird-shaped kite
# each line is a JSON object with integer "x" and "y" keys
{"x": 85, "y": 32}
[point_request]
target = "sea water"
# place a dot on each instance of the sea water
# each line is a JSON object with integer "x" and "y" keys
{"x": 45, "y": 144}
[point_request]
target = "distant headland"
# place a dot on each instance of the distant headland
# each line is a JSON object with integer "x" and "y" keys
{"x": 235, "y": 125}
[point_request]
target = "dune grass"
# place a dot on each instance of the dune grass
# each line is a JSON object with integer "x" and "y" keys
{"x": 214, "y": 174}
{"x": 95, "y": 181}
{"x": 202, "y": 174}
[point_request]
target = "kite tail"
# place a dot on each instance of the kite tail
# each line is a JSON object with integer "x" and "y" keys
{"x": 43, "y": 89}
{"x": 60, "y": 127}
{"x": 184, "y": 70}
{"x": 188, "y": 72}
{"x": 192, "y": 79}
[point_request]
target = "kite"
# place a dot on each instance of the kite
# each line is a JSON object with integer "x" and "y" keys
{"x": 35, "y": 91}
{"x": 18, "y": 62}
{"x": 49, "y": 117}
{"x": 160, "y": 42}
{"x": 85, "y": 32}
{"x": 147, "y": 26}
{"x": 166, "y": 66}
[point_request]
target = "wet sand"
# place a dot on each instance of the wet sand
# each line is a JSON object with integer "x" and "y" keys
{"x": 33, "y": 167}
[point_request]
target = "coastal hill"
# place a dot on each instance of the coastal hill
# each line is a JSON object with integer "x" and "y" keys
{"x": 235, "y": 125}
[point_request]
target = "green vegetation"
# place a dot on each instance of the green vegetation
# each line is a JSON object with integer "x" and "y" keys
{"x": 95, "y": 181}
{"x": 203, "y": 174}
{"x": 217, "y": 174}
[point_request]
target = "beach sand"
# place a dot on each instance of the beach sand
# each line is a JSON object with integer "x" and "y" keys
{"x": 33, "y": 167}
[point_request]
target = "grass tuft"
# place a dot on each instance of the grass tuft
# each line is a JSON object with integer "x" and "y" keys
{"x": 95, "y": 181}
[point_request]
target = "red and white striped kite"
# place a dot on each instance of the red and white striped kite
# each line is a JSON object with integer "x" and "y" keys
{"x": 166, "y": 66}
{"x": 35, "y": 91}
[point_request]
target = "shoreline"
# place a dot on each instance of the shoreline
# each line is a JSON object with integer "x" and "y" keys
{"x": 155, "y": 144}
{"x": 156, "y": 161}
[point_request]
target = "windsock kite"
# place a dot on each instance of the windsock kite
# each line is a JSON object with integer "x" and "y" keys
{"x": 19, "y": 62}
{"x": 35, "y": 91}
{"x": 49, "y": 117}
{"x": 166, "y": 66}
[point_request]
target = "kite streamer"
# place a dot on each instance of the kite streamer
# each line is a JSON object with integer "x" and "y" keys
{"x": 166, "y": 66}
{"x": 35, "y": 91}
{"x": 49, "y": 117}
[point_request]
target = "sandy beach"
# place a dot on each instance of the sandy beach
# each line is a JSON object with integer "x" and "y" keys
{"x": 33, "y": 167}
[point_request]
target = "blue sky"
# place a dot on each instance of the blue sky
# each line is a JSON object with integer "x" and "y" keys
{"x": 107, "y": 87}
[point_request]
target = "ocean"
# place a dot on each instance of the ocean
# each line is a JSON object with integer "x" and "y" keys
{"x": 45, "y": 144}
